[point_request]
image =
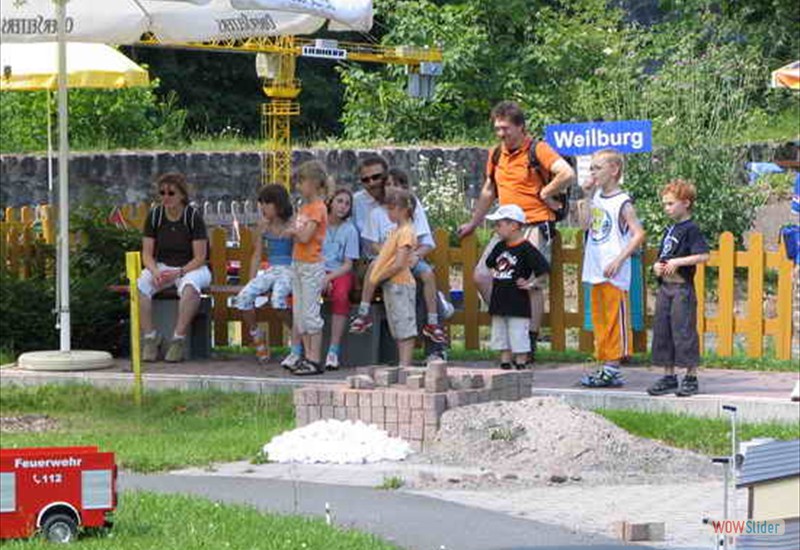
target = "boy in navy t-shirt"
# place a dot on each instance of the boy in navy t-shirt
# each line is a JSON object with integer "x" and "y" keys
{"x": 513, "y": 262}
{"x": 675, "y": 339}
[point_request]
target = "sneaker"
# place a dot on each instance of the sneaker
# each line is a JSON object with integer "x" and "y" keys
{"x": 689, "y": 386}
{"x": 175, "y": 350}
{"x": 603, "y": 378}
{"x": 795, "y": 396}
{"x": 436, "y": 333}
{"x": 360, "y": 324}
{"x": 523, "y": 366}
{"x": 308, "y": 368}
{"x": 150, "y": 348}
{"x": 506, "y": 366}
{"x": 446, "y": 308}
{"x": 331, "y": 361}
{"x": 291, "y": 361}
{"x": 664, "y": 385}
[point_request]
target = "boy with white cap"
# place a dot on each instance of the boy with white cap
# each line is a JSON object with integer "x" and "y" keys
{"x": 515, "y": 263}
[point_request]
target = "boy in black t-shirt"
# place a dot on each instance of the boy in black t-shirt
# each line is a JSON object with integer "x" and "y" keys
{"x": 675, "y": 340}
{"x": 513, "y": 262}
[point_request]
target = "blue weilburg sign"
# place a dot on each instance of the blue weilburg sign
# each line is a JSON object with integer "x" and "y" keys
{"x": 626, "y": 136}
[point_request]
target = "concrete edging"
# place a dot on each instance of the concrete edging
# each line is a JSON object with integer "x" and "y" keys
{"x": 750, "y": 409}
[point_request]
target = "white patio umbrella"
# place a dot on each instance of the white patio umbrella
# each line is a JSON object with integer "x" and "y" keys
{"x": 171, "y": 21}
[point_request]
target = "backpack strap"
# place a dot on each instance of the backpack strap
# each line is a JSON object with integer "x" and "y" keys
{"x": 157, "y": 216}
{"x": 535, "y": 165}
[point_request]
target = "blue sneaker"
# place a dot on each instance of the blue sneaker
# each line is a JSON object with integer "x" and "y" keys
{"x": 604, "y": 378}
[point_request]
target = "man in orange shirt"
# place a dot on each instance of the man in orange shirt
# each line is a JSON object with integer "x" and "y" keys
{"x": 512, "y": 180}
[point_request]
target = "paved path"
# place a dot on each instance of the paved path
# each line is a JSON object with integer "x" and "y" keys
{"x": 412, "y": 521}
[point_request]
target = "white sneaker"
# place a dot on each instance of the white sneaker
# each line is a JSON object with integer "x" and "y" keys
{"x": 445, "y": 305}
{"x": 331, "y": 361}
{"x": 291, "y": 361}
{"x": 796, "y": 392}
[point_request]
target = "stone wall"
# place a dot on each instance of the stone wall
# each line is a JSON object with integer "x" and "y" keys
{"x": 123, "y": 177}
{"x": 127, "y": 176}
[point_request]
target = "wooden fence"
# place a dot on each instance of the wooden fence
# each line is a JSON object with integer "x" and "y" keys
{"x": 718, "y": 317}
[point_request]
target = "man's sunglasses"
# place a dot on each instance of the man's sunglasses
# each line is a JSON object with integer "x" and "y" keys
{"x": 170, "y": 193}
{"x": 374, "y": 177}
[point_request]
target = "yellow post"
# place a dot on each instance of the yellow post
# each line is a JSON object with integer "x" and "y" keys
{"x": 133, "y": 267}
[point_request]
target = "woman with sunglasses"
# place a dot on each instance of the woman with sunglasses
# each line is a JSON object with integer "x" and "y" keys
{"x": 174, "y": 253}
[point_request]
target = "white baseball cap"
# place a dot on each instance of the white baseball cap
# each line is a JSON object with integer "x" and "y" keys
{"x": 508, "y": 212}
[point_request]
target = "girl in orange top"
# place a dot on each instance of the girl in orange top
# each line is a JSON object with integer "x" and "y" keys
{"x": 308, "y": 265}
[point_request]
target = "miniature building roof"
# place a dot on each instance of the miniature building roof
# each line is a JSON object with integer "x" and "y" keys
{"x": 770, "y": 461}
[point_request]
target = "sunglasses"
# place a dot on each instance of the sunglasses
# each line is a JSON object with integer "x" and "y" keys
{"x": 169, "y": 193}
{"x": 374, "y": 177}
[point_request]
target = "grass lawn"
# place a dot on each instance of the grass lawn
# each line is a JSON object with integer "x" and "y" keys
{"x": 144, "y": 521}
{"x": 708, "y": 436}
{"x": 171, "y": 430}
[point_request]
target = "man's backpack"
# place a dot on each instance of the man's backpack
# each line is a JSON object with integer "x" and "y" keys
{"x": 544, "y": 174}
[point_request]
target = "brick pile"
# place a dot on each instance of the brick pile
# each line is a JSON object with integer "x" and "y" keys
{"x": 408, "y": 402}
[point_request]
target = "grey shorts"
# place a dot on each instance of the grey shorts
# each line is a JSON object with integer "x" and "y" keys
{"x": 675, "y": 340}
{"x": 511, "y": 333}
{"x": 401, "y": 305}
{"x": 306, "y": 293}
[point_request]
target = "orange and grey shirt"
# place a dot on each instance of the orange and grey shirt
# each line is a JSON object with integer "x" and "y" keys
{"x": 517, "y": 183}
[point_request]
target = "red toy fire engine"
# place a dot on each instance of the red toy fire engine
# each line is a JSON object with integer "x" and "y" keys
{"x": 56, "y": 490}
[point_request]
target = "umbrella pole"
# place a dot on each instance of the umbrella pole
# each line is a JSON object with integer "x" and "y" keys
{"x": 63, "y": 179}
{"x": 51, "y": 195}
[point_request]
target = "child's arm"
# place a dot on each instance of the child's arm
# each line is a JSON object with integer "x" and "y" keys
{"x": 303, "y": 231}
{"x": 345, "y": 268}
{"x": 670, "y": 266}
{"x": 258, "y": 250}
{"x": 637, "y": 238}
{"x": 401, "y": 260}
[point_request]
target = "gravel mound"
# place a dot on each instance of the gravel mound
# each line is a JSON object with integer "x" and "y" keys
{"x": 336, "y": 442}
{"x": 546, "y": 440}
{"x": 27, "y": 423}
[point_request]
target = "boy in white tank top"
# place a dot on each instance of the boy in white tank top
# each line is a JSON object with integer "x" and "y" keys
{"x": 613, "y": 234}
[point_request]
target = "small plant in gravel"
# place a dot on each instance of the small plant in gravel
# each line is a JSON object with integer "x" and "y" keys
{"x": 509, "y": 433}
{"x": 392, "y": 483}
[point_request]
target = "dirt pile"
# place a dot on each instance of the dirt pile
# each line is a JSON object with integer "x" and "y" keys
{"x": 544, "y": 440}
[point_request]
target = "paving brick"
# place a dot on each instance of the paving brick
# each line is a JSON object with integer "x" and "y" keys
{"x": 404, "y": 415}
{"x": 340, "y": 413}
{"x": 311, "y": 396}
{"x": 457, "y": 398}
{"x": 378, "y": 415}
{"x": 325, "y": 397}
{"x": 391, "y": 414}
{"x": 366, "y": 371}
{"x": 301, "y": 413}
{"x": 402, "y": 376}
{"x": 326, "y": 412}
{"x": 313, "y": 413}
{"x": 633, "y": 532}
{"x": 416, "y": 445}
{"x": 365, "y": 414}
{"x": 525, "y": 377}
{"x": 393, "y": 429}
{"x": 476, "y": 381}
{"x": 434, "y": 401}
{"x": 436, "y": 385}
{"x": 417, "y": 416}
{"x": 405, "y": 431}
{"x": 390, "y": 399}
{"x": 415, "y": 382}
{"x": 387, "y": 377}
{"x": 339, "y": 399}
{"x": 430, "y": 432}
{"x": 484, "y": 395}
{"x": 436, "y": 369}
{"x": 415, "y": 401}
{"x": 351, "y": 399}
{"x": 403, "y": 400}
{"x": 364, "y": 399}
{"x": 298, "y": 397}
{"x": 362, "y": 382}
{"x": 378, "y": 398}
{"x": 417, "y": 431}
{"x": 432, "y": 418}
{"x": 352, "y": 413}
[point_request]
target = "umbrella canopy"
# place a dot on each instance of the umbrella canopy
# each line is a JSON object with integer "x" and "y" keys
{"x": 35, "y": 67}
{"x": 124, "y": 21}
{"x": 787, "y": 77}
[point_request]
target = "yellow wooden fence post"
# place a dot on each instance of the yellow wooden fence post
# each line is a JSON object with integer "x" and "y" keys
{"x": 133, "y": 268}
{"x": 558, "y": 334}
{"x": 219, "y": 273}
{"x": 725, "y": 313}
{"x": 469, "y": 257}
{"x": 755, "y": 295}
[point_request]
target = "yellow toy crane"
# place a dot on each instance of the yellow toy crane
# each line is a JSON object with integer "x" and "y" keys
{"x": 276, "y": 61}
